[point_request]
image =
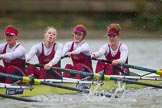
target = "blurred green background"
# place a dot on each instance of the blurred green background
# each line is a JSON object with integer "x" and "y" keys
{"x": 33, "y": 16}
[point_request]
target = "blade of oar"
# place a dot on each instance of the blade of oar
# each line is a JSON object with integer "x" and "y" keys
{"x": 18, "y": 98}
{"x": 38, "y": 82}
{"x": 159, "y": 72}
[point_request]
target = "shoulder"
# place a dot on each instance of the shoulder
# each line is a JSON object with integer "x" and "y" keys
{"x": 85, "y": 44}
{"x": 3, "y": 44}
{"x": 123, "y": 46}
{"x": 20, "y": 47}
{"x": 68, "y": 43}
{"x": 59, "y": 44}
{"x": 38, "y": 45}
{"x": 105, "y": 45}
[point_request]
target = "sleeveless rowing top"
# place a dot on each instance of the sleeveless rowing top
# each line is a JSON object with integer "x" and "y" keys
{"x": 81, "y": 58}
{"x": 18, "y": 62}
{"x": 43, "y": 59}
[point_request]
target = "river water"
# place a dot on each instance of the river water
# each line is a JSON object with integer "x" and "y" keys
{"x": 142, "y": 52}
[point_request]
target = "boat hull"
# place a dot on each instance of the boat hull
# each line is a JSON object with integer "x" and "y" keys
{"x": 43, "y": 90}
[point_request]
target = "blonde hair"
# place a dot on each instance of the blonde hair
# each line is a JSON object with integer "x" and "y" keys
{"x": 50, "y": 27}
{"x": 115, "y": 26}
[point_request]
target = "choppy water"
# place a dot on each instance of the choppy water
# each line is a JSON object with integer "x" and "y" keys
{"x": 145, "y": 53}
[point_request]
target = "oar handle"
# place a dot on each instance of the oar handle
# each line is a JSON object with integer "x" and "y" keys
{"x": 102, "y": 60}
{"x": 36, "y": 65}
{"x": 64, "y": 56}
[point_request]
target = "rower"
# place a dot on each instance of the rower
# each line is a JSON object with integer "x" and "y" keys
{"x": 79, "y": 52}
{"x": 49, "y": 53}
{"x": 115, "y": 51}
{"x": 12, "y": 53}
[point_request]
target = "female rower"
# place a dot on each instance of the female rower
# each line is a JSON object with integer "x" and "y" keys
{"x": 79, "y": 52}
{"x": 115, "y": 51}
{"x": 12, "y": 54}
{"x": 48, "y": 53}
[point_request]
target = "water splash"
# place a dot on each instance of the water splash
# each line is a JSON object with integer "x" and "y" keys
{"x": 120, "y": 90}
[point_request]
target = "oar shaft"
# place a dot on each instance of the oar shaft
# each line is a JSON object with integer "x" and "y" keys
{"x": 98, "y": 75}
{"x": 68, "y": 80}
{"x": 136, "y": 82}
{"x": 38, "y": 82}
{"x": 11, "y": 76}
{"x": 73, "y": 71}
{"x": 102, "y": 60}
{"x": 159, "y": 72}
{"x": 61, "y": 86}
{"x": 104, "y": 77}
{"x": 18, "y": 98}
{"x": 137, "y": 77}
{"x": 22, "y": 78}
{"x": 139, "y": 68}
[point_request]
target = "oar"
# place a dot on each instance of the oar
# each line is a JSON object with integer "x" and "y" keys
{"x": 69, "y": 80}
{"x": 118, "y": 68}
{"x": 18, "y": 98}
{"x": 101, "y": 76}
{"x": 64, "y": 56}
{"x": 102, "y": 60}
{"x": 38, "y": 82}
{"x": 159, "y": 72}
{"x": 105, "y": 77}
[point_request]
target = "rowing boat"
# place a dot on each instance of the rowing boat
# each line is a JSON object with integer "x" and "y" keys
{"x": 34, "y": 90}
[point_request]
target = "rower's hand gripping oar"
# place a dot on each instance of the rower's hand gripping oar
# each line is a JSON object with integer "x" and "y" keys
{"x": 116, "y": 67}
{"x": 159, "y": 72}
